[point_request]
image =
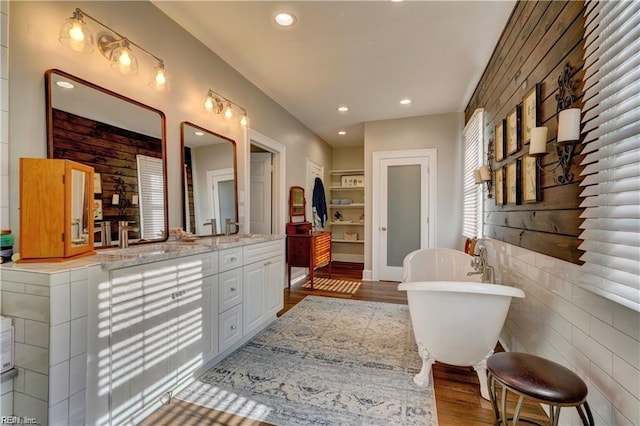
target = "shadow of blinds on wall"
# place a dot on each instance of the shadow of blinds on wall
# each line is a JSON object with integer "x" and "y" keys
{"x": 611, "y": 229}
{"x": 472, "y": 140}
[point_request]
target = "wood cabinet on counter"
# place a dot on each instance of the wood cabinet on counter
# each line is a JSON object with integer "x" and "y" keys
{"x": 159, "y": 325}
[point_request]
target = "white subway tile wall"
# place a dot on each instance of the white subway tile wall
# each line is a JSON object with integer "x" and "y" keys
{"x": 49, "y": 313}
{"x": 4, "y": 116}
{"x": 559, "y": 320}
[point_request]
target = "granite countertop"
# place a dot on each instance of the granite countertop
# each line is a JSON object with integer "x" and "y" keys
{"x": 114, "y": 258}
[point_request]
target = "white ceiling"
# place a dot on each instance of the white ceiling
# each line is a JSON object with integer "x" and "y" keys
{"x": 367, "y": 55}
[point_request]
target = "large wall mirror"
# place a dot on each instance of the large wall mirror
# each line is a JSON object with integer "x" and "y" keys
{"x": 124, "y": 141}
{"x": 210, "y": 181}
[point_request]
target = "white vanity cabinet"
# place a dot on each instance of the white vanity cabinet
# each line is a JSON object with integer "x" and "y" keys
{"x": 154, "y": 327}
{"x": 262, "y": 278}
{"x": 230, "y": 298}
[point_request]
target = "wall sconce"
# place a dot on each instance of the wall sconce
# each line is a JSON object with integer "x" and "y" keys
{"x": 218, "y": 104}
{"x": 568, "y": 129}
{"x": 75, "y": 34}
{"x": 483, "y": 175}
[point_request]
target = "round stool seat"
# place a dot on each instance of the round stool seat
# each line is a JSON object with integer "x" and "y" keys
{"x": 537, "y": 377}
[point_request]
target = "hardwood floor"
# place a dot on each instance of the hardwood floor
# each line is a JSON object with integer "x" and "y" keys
{"x": 456, "y": 389}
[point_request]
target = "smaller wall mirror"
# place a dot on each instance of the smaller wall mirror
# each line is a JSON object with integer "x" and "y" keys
{"x": 209, "y": 181}
{"x": 297, "y": 203}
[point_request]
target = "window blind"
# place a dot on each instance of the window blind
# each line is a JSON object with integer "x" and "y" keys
{"x": 151, "y": 195}
{"x": 611, "y": 226}
{"x": 472, "y": 140}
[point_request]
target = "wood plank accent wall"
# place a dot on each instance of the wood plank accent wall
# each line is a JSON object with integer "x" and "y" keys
{"x": 538, "y": 40}
{"x": 111, "y": 151}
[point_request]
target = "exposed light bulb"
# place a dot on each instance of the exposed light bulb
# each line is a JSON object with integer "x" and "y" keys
{"x": 208, "y": 103}
{"x": 227, "y": 112}
{"x": 76, "y": 32}
{"x": 243, "y": 120}
{"x": 159, "y": 79}
{"x": 125, "y": 59}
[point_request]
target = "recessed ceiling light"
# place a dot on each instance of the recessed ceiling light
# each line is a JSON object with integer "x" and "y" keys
{"x": 405, "y": 101}
{"x": 198, "y": 133}
{"x": 342, "y": 132}
{"x": 285, "y": 19}
{"x": 65, "y": 84}
{"x": 343, "y": 108}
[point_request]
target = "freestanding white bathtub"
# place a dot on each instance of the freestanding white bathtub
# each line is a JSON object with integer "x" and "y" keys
{"x": 456, "y": 319}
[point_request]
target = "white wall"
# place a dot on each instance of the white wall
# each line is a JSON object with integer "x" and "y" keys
{"x": 594, "y": 337}
{"x": 193, "y": 69}
{"x": 442, "y": 132}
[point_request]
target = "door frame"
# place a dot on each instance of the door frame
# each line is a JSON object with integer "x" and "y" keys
{"x": 279, "y": 194}
{"x": 432, "y": 156}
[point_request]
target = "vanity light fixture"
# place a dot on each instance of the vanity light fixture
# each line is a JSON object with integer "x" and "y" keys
{"x": 218, "y": 104}
{"x": 568, "y": 129}
{"x": 75, "y": 34}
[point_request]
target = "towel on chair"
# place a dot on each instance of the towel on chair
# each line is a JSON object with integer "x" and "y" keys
{"x": 319, "y": 202}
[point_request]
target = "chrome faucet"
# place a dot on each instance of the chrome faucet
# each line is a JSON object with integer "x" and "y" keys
{"x": 104, "y": 229}
{"x": 123, "y": 233}
{"x": 213, "y": 224}
{"x": 480, "y": 266}
{"x": 227, "y": 225}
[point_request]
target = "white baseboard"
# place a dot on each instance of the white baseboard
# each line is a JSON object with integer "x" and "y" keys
{"x": 367, "y": 275}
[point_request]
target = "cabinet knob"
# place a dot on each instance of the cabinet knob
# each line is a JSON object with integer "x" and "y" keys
{"x": 383, "y": 228}
{"x": 232, "y": 289}
{"x": 233, "y": 327}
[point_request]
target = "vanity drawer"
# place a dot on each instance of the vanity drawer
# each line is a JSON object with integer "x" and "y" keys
{"x": 230, "y": 327}
{"x": 230, "y": 289}
{"x": 230, "y": 258}
{"x": 257, "y": 252}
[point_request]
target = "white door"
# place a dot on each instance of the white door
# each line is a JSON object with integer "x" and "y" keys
{"x": 314, "y": 170}
{"x": 403, "y": 207}
{"x": 260, "y": 193}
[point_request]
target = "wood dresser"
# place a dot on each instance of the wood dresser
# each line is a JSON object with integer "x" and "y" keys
{"x": 307, "y": 249}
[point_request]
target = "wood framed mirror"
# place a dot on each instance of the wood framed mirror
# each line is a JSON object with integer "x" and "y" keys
{"x": 297, "y": 204}
{"x": 210, "y": 181}
{"x": 124, "y": 141}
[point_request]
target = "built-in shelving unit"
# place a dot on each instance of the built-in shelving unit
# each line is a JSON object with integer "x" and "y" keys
{"x": 347, "y": 199}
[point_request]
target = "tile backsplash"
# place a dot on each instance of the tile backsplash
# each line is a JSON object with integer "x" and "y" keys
{"x": 559, "y": 320}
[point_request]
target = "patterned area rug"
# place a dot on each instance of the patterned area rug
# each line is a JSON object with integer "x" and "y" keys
{"x": 329, "y": 284}
{"x": 326, "y": 361}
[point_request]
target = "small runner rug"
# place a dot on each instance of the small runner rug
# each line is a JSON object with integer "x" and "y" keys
{"x": 327, "y": 361}
{"x": 329, "y": 284}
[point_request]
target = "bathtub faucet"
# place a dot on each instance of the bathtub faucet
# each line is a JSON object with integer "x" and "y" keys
{"x": 480, "y": 266}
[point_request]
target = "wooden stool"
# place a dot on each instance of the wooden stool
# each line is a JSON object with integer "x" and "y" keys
{"x": 537, "y": 378}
